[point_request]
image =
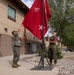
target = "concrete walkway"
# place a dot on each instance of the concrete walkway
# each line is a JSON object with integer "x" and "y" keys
{"x": 28, "y": 66}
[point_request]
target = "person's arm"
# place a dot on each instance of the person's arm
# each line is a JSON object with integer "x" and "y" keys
{"x": 52, "y": 41}
{"x": 20, "y": 29}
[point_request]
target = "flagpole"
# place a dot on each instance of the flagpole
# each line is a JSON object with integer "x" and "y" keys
{"x": 42, "y": 33}
{"x": 41, "y": 62}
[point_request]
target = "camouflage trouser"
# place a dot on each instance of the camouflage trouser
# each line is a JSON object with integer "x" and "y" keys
{"x": 16, "y": 51}
{"x": 52, "y": 54}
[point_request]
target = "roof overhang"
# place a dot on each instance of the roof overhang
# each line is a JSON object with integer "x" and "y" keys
{"x": 22, "y": 5}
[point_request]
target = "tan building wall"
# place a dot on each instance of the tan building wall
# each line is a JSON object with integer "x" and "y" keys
{"x": 5, "y": 22}
{"x": 6, "y": 37}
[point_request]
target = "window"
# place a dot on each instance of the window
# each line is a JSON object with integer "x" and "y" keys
{"x": 11, "y": 13}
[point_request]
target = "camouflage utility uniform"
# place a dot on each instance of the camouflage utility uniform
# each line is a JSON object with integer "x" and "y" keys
{"x": 16, "y": 48}
{"x": 52, "y": 51}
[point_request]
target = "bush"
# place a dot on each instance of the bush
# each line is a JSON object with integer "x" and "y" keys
{"x": 40, "y": 52}
{"x": 59, "y": 53}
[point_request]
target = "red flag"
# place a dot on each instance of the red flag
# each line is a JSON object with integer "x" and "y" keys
{"x": 33, "y": 20}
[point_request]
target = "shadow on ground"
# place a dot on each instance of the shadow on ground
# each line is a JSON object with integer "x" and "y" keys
{"x": 46, "y": 68}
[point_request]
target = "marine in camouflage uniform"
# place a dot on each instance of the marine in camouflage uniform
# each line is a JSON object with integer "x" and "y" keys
{"x": 16, "y": 43}
{"x": 52, "y": 49}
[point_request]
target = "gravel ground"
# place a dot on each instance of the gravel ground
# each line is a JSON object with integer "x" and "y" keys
{"x": 66, "y": 65}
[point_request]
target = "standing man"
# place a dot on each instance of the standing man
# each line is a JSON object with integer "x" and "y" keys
{"x": 16, "y": 43}
{"x": 52, "y": 49}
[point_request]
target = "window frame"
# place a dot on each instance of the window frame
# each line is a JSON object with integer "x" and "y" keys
{"x": 9, "y": 17}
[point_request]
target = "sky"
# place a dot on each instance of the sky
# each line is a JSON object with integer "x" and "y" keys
{"x": 28, "y": 2}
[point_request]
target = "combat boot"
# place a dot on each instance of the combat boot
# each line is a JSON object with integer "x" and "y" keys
{"x": 14, "y": 66}
{"x": 55, "y": 63}
{"x": 18, "y": 65}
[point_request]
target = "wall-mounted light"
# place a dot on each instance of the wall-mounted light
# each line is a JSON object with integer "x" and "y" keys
{"x": 6, "y": 29}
